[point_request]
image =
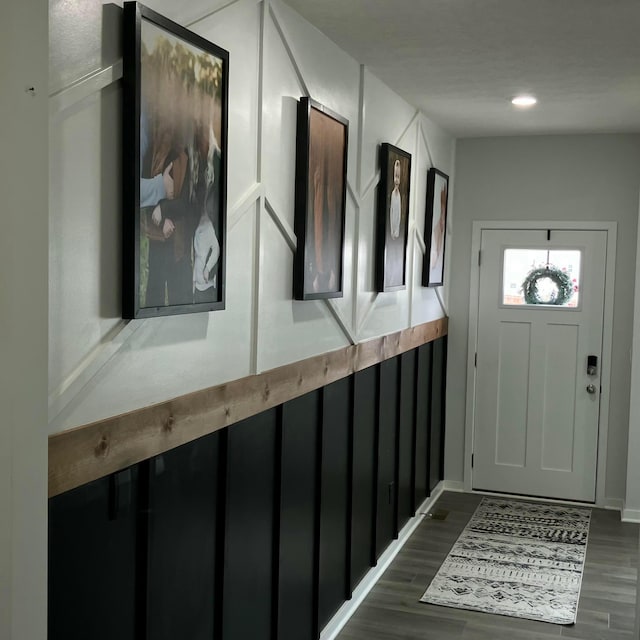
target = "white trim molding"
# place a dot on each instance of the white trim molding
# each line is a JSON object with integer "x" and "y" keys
{"x": 614, "y": 504}
{"x": 630, "y": 515}
{"x": 453, "y": 485}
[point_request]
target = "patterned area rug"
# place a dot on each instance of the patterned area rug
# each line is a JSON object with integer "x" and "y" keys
{"x": 518, "y": 559}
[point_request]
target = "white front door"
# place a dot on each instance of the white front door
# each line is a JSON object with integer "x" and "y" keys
{"x": 536, "y": 403}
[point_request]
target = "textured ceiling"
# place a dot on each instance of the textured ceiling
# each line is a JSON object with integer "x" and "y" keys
{"x": 461, "y": 61}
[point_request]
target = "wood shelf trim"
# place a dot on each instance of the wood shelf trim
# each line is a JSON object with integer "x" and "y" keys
{"x": 92, "y": 451}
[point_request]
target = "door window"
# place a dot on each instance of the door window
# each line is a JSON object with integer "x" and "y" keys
{"x": 542, "y": 277}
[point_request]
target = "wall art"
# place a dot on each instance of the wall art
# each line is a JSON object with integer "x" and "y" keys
{"x": 175, "y": 119}
{"x": 435, "y": 228}
{"x": 392, "y": 218}
{"x": 320, "y": 201}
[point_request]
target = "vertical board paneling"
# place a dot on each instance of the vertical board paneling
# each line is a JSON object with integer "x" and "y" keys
{"x": 301, "y": 499}
{"x": 365, "y": 405}
{"x": 423, "y": 421}
{"x": 92, "y": 560}
{"x": 335, "y": 528}
{"x": 299, "y": 440}
{"x": 183, "y": 486}
{"x": 248, "y": 565}
{"x": 436, "y": 445}
{"x": 387, "y": 440}
{"x": 406, "y": 439}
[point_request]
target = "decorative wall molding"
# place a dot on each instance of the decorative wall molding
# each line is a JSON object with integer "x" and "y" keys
{"x": 95, "y": 450}
{"x": 292, "y": 58}
{"x": 243, "y": 205}
{"x": 282, "y": 225}
{"x": 212, "y": 12}
{"x": 426, "y": 144}
{"x": 342, "y": 323}
{"x": 90, "y": 365}
{"x": 83, "y": 88}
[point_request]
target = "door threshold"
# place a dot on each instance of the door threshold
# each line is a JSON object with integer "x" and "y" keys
{"x": 520, "y": 496}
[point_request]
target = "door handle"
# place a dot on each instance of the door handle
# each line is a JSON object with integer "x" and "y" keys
{"x": 591, "y": 388}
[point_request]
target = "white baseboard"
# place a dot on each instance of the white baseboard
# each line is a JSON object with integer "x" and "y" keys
{"x": 343, "y": 614}
{"x": 613, "y": 504}
{"x": 453, "y": 485}
{"x": 630, "y": 515}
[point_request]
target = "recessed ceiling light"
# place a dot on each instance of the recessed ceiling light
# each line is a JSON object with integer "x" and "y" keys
{"x": 524, "y": 101}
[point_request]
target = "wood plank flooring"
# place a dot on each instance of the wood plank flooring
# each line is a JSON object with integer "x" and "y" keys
{"x": 391, "y": 611}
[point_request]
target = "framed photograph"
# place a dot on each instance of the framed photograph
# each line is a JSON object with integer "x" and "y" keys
{"x": 435, "y": 227}
{"x": 392, "y": 218}
{"x": 320, "y": 200}
{"x": 175, "y": 112}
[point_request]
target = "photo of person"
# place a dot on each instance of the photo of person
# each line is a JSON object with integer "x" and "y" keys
{"x": 435, "y": 226}
{"x": 182, "y": 132}
{"x": 320, "y": 215}
{"x": 395, "y": 210}
{"x": 392, "y": 214}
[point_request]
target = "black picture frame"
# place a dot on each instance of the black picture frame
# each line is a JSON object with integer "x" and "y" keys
{"x": 174, "y": 155}
{"x": 435, "y": 228}
{"x": 320, "y": 201}
{"x": 392, "y": 218}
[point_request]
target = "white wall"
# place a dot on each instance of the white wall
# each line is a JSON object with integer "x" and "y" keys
{"x": 100, "y": 365}
{"x": 581, "y": 178}
{"x": 23, "y": 323}
{"x": 631, "y": 510}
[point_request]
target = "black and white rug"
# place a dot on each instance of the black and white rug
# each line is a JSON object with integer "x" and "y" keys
{"x": 519, "y": 559}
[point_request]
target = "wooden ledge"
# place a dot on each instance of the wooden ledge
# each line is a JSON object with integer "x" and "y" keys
{"x": 92, "y": 451}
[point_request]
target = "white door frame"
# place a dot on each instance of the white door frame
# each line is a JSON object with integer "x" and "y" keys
{"x": 607, "y": 335}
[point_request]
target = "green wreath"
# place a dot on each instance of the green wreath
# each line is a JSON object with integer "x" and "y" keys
{"x": 562, "y": 281}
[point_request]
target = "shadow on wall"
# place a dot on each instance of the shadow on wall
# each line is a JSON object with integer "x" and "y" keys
{"x": 110, "y": 172}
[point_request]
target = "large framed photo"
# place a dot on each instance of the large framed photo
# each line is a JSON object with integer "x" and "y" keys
{"x": 392, "y": 218}
{"x": 435, "y": 227}
{"x": 320, "y": 200}
{"x": 175, "y": 111}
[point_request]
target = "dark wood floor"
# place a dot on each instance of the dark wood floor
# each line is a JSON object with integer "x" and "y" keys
{"x": 391, "y": 611}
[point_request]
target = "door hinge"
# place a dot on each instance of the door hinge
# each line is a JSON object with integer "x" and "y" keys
{"x": 475, "y": 359}
{"x": 472, "y": 456}
{"x": 479, "y": 257}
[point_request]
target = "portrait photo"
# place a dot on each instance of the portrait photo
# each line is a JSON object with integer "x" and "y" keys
{"x": 392, "y": 218}
{"x": 435, "y": 228}
{"x": 175, "y": 150}
{"x": 320, "y": 197}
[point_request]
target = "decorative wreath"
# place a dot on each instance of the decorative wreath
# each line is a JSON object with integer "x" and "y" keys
{"x": 561, "y": 280}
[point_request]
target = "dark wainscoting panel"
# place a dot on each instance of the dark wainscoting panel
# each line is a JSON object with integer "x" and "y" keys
{"x": 423, "y": 423}
{"x": 335, "y": 523}
{"x": 260, "y": 530}
{"x": 299, "y": 493}
{"x": 183, "y": 486}
{"x": 92, "y": 560}
{"x": 436, "y": 445}
{"x": 387, "y": 436}
{"x": 248, "y": 560}
{"x": 365, "y": 405}
{"x": 405, "y": 463}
